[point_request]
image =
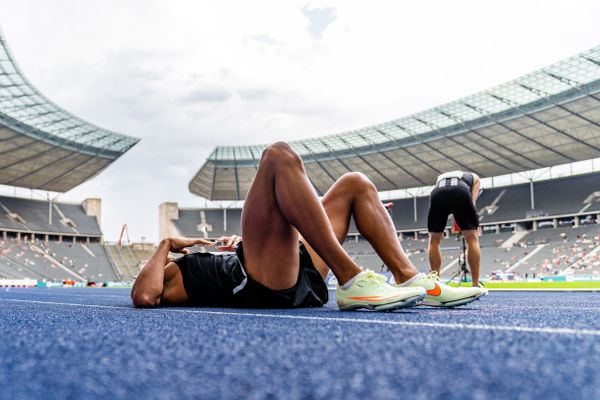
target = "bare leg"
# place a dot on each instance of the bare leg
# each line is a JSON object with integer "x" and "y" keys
{"x": 281, "y": 202}
{"x": 435, "y": 253}
{"x": 473, "y": 253}
{"x": 355, "y": 195}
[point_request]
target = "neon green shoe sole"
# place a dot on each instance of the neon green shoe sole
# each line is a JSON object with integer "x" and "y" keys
{"x": 371, "y": 291}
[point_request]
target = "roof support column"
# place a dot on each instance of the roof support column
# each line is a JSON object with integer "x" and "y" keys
{"x": 415, "y": 206}
{"x": 532, "y": 194}
{"x": 49, "y": 208}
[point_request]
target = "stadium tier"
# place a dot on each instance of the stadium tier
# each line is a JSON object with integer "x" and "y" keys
{"x": 497, "y": 207}
{"x": 36, "y": 217}
{"x": 559, "y": 234}
{"x": 43, "y": 146}
{"x": 546, "y": 118}
{"x": 53, "y": 241}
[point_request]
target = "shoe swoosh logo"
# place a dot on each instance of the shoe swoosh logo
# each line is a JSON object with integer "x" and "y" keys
{"x": 436, "y": 291}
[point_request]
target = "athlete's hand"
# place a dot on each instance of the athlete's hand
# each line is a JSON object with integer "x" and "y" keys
{"x": 229, "y": 243}
{"x": 179, "y": 244}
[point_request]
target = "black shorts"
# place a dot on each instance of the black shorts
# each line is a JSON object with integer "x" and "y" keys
{"x": 448, "y": 200}
{"x": 219, "y": 280}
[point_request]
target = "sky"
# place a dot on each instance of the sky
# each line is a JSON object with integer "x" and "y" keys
{"x": 186, "y": 76}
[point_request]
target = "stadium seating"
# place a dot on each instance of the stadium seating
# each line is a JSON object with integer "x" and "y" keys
{"x": 54, "y": 261}
{"x": 27, "y": 215}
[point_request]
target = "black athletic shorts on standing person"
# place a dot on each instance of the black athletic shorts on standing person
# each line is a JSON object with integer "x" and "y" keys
{"x": 448, "y": 200}
{"x": 219, "y": 280}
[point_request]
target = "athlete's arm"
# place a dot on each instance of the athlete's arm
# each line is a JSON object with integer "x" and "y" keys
{"x": 475, "y": 188}
{"x": 148, "y": 287}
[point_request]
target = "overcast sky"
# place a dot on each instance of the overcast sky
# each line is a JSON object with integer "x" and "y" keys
{"x": 186, "y": 76}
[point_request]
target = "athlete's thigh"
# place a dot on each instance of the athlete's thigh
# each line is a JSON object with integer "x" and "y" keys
{"x": 338, "y": 206}
{"x": 437, "y": 216}
{"x": 173, "y": 288}
{"x": 270, "y": 243}
{"x": 464, "y": 211}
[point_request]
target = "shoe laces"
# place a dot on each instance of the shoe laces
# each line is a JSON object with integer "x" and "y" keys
{"x": 433, "y": 276}
{"x": 373, "y": 278}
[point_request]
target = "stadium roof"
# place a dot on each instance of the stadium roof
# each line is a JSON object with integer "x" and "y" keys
{"x": 548, "y": 117}
{"x": 42, "y": 146}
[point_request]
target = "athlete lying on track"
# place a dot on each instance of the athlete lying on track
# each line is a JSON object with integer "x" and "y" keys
{"x": 291, "y": 239}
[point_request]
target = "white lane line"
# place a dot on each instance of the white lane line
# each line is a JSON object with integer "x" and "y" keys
{"x": 124, "y": 296}
{"x": 495, "y": 308}
{"x": 477, "y": 327}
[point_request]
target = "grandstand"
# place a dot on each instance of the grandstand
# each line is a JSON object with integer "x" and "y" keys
{"x": 546, "y": 118}
{"x": 511, "y": 232}
{"x": 44, "y": 147}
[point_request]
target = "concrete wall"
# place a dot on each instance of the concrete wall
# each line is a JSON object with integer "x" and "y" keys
{"x": 93, "y": 208}
{"x": 166, "y": 212}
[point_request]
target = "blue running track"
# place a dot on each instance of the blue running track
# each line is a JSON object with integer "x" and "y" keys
{"x": 91, "y": 344}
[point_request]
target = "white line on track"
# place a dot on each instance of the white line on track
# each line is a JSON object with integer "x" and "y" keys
{"x": 477, "y": 327}
{"x": 126, "y": 296}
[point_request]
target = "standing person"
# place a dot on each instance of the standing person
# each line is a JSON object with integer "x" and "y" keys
{"x": 269, "y": 269}
{"x": 455, "y": 193}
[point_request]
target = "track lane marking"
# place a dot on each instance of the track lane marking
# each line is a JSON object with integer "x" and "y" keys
{"x": 496, "y": 308}
{"x": 505, "y": 328}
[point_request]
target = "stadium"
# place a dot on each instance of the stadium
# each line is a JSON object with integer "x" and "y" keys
{"x": 534, "y": 141}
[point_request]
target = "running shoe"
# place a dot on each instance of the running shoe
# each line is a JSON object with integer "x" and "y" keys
{"x": 441, "y": 295}
{"x": 371, "y": 290}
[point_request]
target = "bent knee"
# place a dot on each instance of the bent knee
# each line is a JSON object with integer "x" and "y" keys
{"x": 471, "y": 236}
{"x": 281, "y": 152}
{"x": 357, "y": 181}
{"x": 435, "y": 238}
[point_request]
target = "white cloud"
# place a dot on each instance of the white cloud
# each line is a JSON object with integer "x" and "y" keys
{"x": 190, "y": 75}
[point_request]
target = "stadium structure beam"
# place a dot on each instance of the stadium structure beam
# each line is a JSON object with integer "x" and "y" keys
{"x": 424, "y": 143}
{"x": 332, "y": 154}
{"x": 577, "y": 86}
{"x": 212, "y": 189}
{"x": 373, "y": 146}
{"x": 22, "y": 160}
{"x": 437, "y": 129}
{"x": 237, "y": 179}
{"x": 58, "y": 160}
{"x": 318, "y": 162}
{"x": 494, "y": 151}
{"x": 18, "y": 147}
{"x": 525, "y": 113}
{"x": 545, "y": 95}
{"x": 368, "y": 163}
{"x": 486, "y": 115}
{"x": 71, "y": 171}
{"x": 394, "y": 161}
{"x": 6, "y": 139}
{"x": 502, "y": 124}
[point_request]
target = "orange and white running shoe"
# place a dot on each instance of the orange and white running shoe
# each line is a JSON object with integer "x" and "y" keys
{"x": 441, "y": 295}
{"x": 371, "y": 290}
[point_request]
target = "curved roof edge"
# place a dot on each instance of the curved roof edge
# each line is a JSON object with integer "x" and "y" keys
{"x": 566, "y": 80}
{"x": 25, "y": 110}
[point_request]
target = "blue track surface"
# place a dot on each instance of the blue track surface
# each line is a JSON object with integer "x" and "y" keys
{"x": 90, "y": 343}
